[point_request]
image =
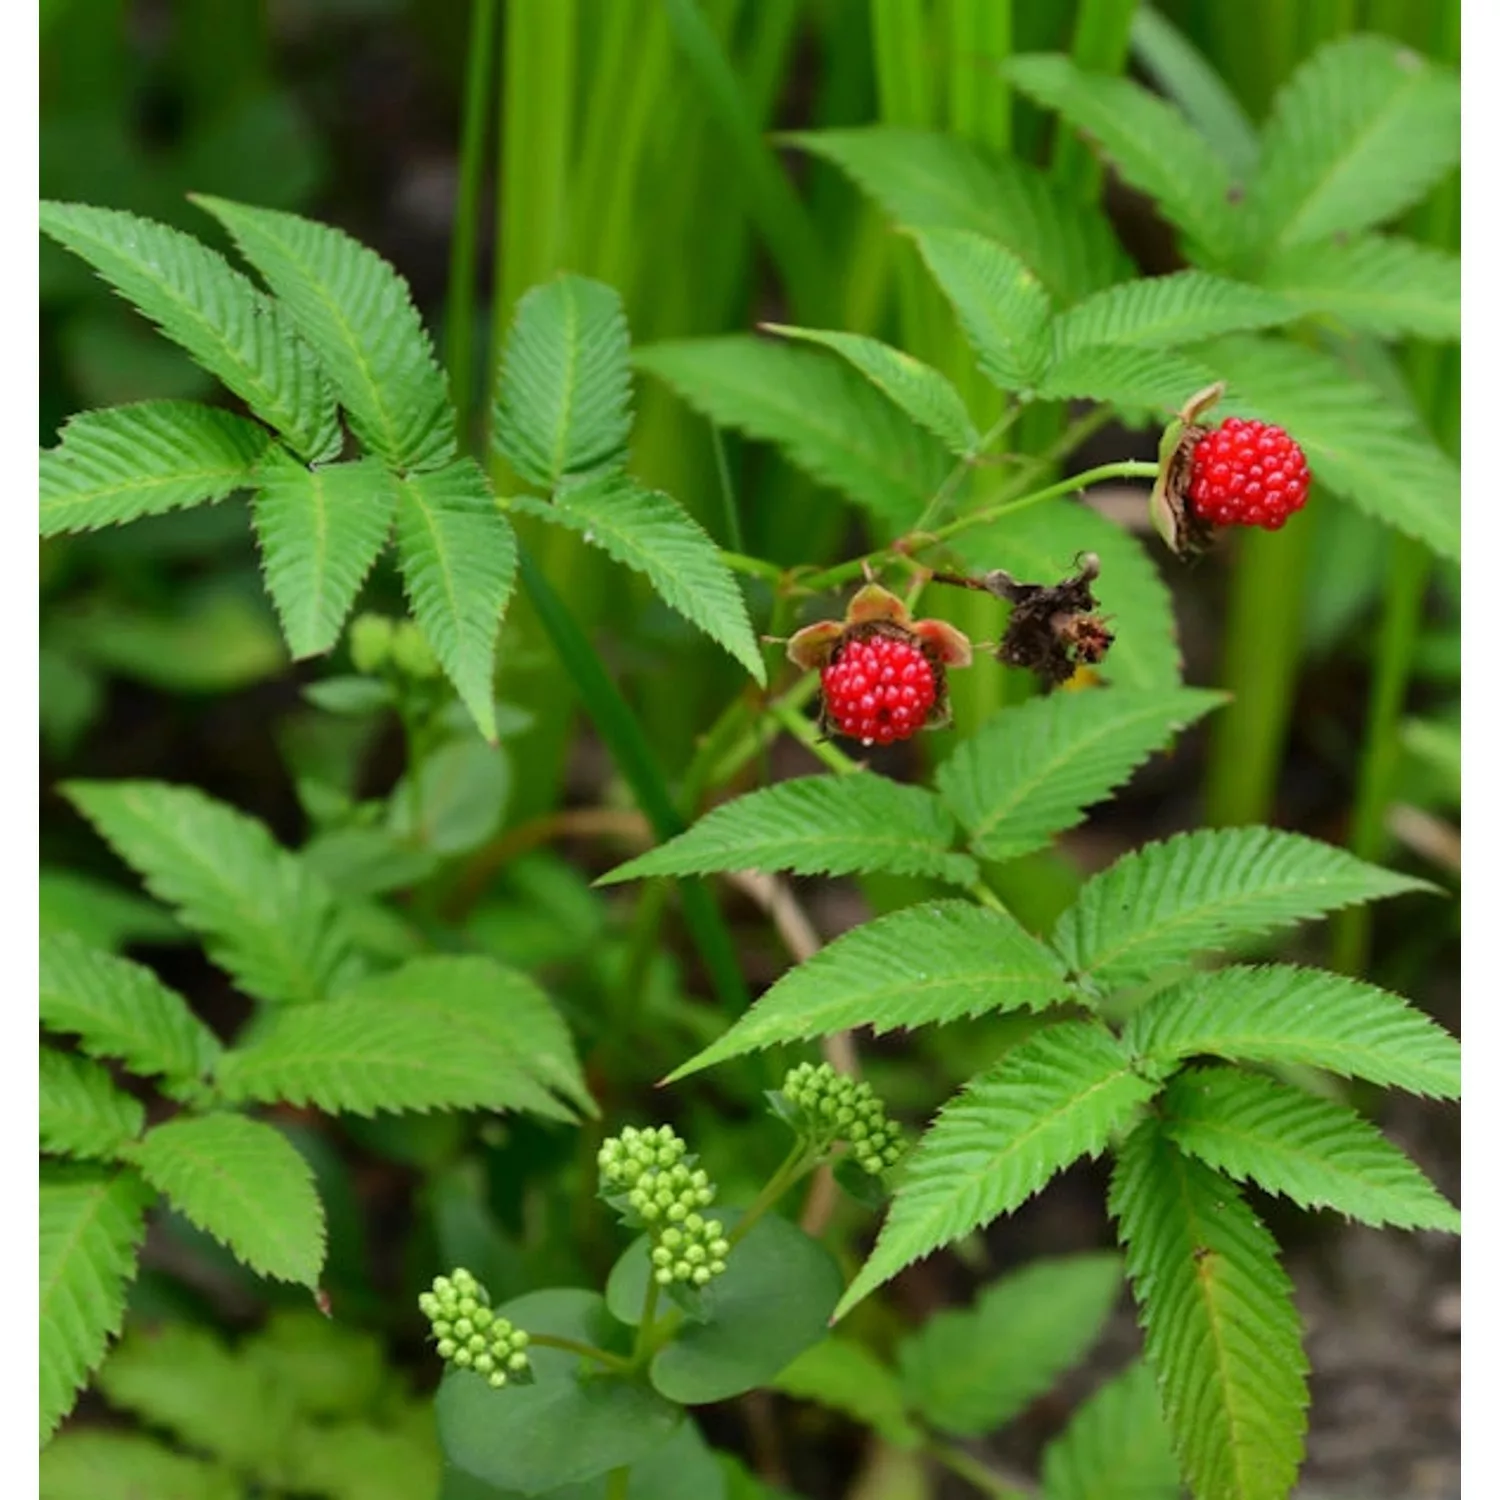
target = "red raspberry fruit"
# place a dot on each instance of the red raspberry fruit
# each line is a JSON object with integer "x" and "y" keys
{"x": 879, "y": 689}
{"x": 1247, "y": 474}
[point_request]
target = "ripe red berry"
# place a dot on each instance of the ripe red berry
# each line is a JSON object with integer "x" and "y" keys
{"x": 879, "y": 688}
{"x": 1247, "y": 474}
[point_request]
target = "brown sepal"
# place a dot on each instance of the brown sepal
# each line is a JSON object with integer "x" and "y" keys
{"x": 1053, "y": 627}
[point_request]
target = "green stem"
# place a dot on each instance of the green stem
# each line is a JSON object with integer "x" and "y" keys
{"x": 980, "y": 37}
{"x": 1408, "y": 571}
{"x": 463, "y": 255}
{"x": 951, "y": 1456}
{"x": 643, "y": 1340}
{"x": 582, "y": 1350}
{"x": 805, "y": 732}
{"x": 796, "y": 1164}
{"x": 1259, "y": 670}
{"x": 733, "y": 532}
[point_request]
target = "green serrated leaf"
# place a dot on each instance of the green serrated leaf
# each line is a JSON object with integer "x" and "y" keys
{"x": 360, "y": 1460}
{"x": 82, "y": 1112}
{"x": 1117, "y": 1446}
{"x": 934, "y": 962}
{"x": 118, "y": 1008}
{"x": 458, "y": 561}
{"x": 245, "y": 1184}
{"x": 1316, "y": 1152}
{"x": 826, "y": 419}
{"x": 1222, "y": 1332}
{"x": 816, "y": 825}
{"x": 1041, "y": 545}
{"x": 925, "y": 395}
{"x": 91, "y": 1223}
{"x": 650, "y": 533}
{"x": 1053, "y": 1098}
{"x": 925, "y": 180}
{"x": 1375, "y": 283}
{"x": 1160, "y": 311}
{"x": 320, "y": 531}
{"x": 266, "y": 917}
{"x": 200, "y": 302}
{"x": 1359, "y": 443}
{"x": 100, "y": 914}
{"x": 1361, "y": 131}
{"x": 1187, "y": 78}
{"x": 438, "y": 1033}
{"x": 1279, "y": 1013}
{"x": 181, "y": 1378}
{"x": 846, "y": 1377}
{"x": 563, "y": 403}
{"x": 1123, "y": 375}
{"x": 125, "y": 462}
{"x": 357, "y": 314}
{"x": 971, "y": 1370}
{"x": 95, "y": 1464}
{"x": 1030, "y": 771}
{"x": 1152, "y": 147}
{"x": 1204, "y": 891}
{"x": 1002, "y": 307}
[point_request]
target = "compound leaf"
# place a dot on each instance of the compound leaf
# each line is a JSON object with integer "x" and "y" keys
{"x": 824, "y": 417}
{"x": 1152, "y": 147}
{"x": 119, "y": 1008}
{"x": 438, "y": 1033}
{"x": 144, "y": 459}
{"x": 244, "y": 1183}
{"x": 357, "y": 314}
{"x": 1206, "y": 890}
{"x": 1360, "y": 131}
{"x": 1222, "y": 1332}
{"x": 816, "y": 825}
{"x": 199, "y": 301}
{"x": 971, "y": 1370}
{"x": 320, "y": 531}
{"x": 649, "y": 532}
{"x": 91, "y": 1222}
{"x": 1053, "y": 1098}
{"x": 930, "y": 181}
{"x": 267, "y": 918}
{"x": 1002, "y": 307}
{"x": 1117, "y": 1446}
{"x": 934, "y": 962}
{"x": 1316, "y": 1152}
{"x": 1030, "y": 772}
{"x": 1160, "y": 311}
{"x": 1279, "y": 1013}
{"x": 563, "y": 404}
{"x": 82, "y": 1112}
{"x": 458, "y": 561}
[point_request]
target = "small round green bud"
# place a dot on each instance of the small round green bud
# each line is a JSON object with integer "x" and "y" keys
{"x": 661, "y": 1256}
{"x": 369, "y": 642}
{"x": 704, "y": 1196}
{"x": 477, "y": 1343}
{"x": 468, "y": 1306}
{"x": 519, "y": 1339}
{"x": 693, "y": 1224}
{"x": 497, "y": 1379}
{"x": 682, "y": 1270}
{"x": 712, "y": 1229}
{"x": 442, "y": 1286}
{"x": 702, "y": 1276}
{"x": 663, "y": 1275}
{"x": 446, "y": 1348}
{"x": 649, "y": 1212}
{"x": 463, "y": 1328}
{"x": 482, "y": 1317}
{"x": 716, "y": 1267}
{"x": 517, "y": 1361}
{"x": 677, "y": 1212}
{"x": 695, "y": 1255}
{"x": 442, "y": 1328}
{"x": 671, "y": 1237}
{"x": 410, "y": 652}
{"x": 718, "y": 1248}
{"x": 483, "y": 1364}
{"x": 429, "y": 1304}
{"x": 463, "y": 1358}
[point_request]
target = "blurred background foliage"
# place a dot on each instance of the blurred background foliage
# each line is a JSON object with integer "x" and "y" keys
{"x": 633, "y": 141}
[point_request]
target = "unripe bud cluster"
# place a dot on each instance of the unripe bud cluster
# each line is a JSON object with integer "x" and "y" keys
{"x": 830, "y": 1106}
{"x": 377, "y": 643}
{"x": 469, "y": 1335}
{"x": 650, "y": 1177}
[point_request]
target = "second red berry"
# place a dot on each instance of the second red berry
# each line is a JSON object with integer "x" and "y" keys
{"x": 879, "y": 689}
{"x": 1247, "y": 473}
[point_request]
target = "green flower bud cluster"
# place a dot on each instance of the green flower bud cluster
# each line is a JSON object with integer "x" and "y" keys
{"x": 832, "y": 1107}
{"x": 376, "y": 642}
{"x": 649, "y": 1175}
{"x": 469, "y": 1335}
